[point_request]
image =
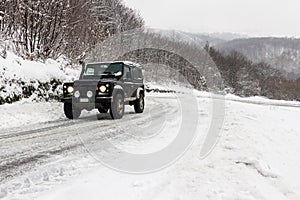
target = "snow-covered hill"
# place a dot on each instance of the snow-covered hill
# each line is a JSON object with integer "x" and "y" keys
{"x": 282, "y": 54}
{"x": 31, "y": 80}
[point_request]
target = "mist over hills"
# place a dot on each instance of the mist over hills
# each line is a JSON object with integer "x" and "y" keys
{"x": 281, "y": 54}
{"x": 198, "y": 38}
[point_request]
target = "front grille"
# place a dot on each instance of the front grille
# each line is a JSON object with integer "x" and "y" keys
{"x": 84, "y": 89}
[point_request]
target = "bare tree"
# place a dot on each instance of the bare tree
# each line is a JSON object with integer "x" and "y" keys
{"x": 43, "y": 29}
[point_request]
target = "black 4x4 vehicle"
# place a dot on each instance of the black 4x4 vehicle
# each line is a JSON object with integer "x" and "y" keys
{"x": 107, "y": 86}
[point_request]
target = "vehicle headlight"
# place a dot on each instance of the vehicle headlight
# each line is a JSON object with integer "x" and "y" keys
{"x": 77, "y": 94}
{"x": 102, "y": 89}
{"x": 70, "y": 89}
{"x": 89, "y": 94}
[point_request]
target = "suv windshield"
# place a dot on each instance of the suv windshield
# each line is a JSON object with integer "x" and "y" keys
{"x": 99, "y": 69}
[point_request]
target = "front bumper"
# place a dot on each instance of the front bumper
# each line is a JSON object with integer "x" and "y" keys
{"x": 91, "y": 101}
{"x": 104, "y": 99}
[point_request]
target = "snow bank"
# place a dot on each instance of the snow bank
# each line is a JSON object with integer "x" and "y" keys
{"x": 25, "y": 114}
{"x": 20, "y": 78}
{"x": 251, "y": 100}
{"x": 13, "y": 67}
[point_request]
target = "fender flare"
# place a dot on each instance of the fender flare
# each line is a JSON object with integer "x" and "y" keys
{"x": 118, "y": 89}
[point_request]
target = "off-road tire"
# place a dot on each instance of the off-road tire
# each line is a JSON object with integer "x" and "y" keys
{"x": 71, "y": 113}
{"x": 103, "y": 110}
{"x": 117, "y": 107}
{"x": 139, "y": 104}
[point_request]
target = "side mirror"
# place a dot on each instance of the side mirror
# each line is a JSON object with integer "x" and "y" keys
{"x": 82, "y": 67}
{"x": 1, "y": 15}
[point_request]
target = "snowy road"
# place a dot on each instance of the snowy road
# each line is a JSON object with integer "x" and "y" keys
{"x": 23, "y": 145}
{"x": 29, "y": 148}
{"x": 255, "y": 157}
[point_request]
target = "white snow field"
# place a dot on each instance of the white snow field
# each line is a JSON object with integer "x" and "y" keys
{"x": 256, "y": 155}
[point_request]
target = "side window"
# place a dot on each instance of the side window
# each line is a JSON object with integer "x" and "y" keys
{"x": 127, "y": 73}
{"x": 137, "y": 74}
{"x": 90, "y": 71}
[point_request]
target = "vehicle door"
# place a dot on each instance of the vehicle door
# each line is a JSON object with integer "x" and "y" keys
{"x": 127, "y": 78}
{"x": 137, "y": 78}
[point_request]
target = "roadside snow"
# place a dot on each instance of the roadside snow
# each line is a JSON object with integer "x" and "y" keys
{"x": 16, "y": 73}
{"x": 14, "y": 66}
{"x": 21, "y": 78}
{"x": 22, "y": 113}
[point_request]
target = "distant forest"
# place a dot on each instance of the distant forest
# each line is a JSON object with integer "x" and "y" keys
{"x": 282, "y": 54}
{"x": 246, "y": 78}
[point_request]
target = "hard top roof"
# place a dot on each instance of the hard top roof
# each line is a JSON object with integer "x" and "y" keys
{"x": 129, "y": 63}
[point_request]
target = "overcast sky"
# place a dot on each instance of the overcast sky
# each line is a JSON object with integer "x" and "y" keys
{"x": 251, "y": 17}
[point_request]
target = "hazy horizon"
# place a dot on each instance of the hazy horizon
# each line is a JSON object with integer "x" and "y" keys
{"x": 253, "y": 18}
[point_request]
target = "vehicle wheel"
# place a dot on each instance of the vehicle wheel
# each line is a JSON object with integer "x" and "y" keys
{"x": 71, "y": 113}
{"x": 117, "y": 107}
{"x": 103, "y": 110}
{"x": 139, "y": 104}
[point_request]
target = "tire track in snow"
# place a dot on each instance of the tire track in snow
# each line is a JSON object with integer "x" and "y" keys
{"x": 22, "y": 151}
